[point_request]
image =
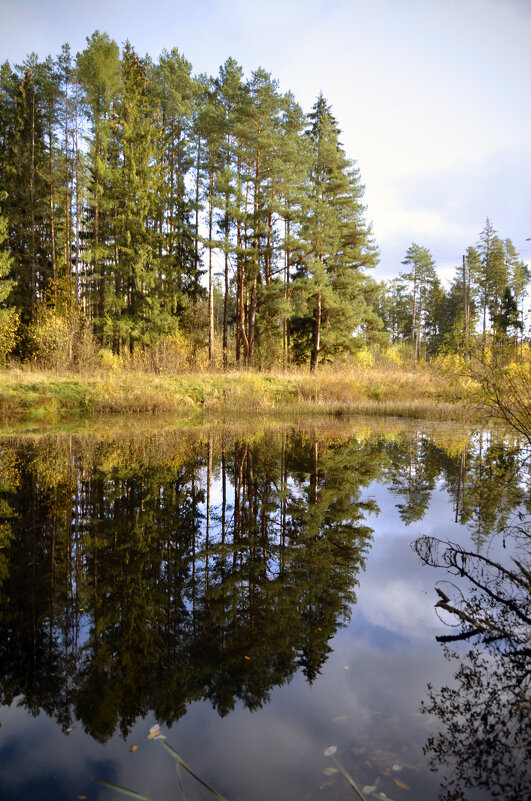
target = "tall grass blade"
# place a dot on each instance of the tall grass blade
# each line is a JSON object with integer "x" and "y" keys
{"x": 180, "y": 779}
{"x": 349, "y": 779}
{"x": 125, "y": 791}
{"x": 187, "y": 767}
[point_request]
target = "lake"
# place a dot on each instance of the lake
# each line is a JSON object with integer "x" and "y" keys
{"x": 263, "y": 593}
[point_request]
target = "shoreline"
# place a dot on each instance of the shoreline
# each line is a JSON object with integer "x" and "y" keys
{"x": 48, "y": 397}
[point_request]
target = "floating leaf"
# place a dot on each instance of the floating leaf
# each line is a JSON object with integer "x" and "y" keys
{"x": 381, "y": 796}
{"x": 331, "y": 750}
{"x": 397, "y": 767}
{"x": 248, "y": 658}
{"x": 155, "y": 733}
{"x": 369, "y": 788}
{"x": 133, "y": 748}
{"x": 330, "y": 771}
{"x": 403, "y": 785}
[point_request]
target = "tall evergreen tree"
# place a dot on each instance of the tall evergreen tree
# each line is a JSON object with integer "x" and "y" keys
{"x": 28, "y": 200}
{"x": 175, "y": 91}
{"x": 338, "y": 245}
{"x": 99, "y": 75}
{"x": 136, "y": 312}
{"x": 421, "y": 278}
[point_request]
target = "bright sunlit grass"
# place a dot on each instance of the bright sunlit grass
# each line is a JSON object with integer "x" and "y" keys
{"x": 411, "y": 393}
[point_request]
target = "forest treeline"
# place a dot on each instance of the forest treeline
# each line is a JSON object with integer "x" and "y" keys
{"x": 180, "y": 220}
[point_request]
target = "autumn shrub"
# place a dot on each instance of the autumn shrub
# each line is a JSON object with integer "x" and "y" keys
{"x": 9, "y": 323}
{"x": 52, "y": 346}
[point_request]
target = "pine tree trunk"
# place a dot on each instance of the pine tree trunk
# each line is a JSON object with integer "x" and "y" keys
{"x": 252, "y": 323}
{"x": 210, "y": 276}
{"x": 226, "y": 308}
{"x": 314, "y": 361}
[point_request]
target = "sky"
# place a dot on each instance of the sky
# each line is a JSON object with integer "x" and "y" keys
{"x": 432, "y": 96}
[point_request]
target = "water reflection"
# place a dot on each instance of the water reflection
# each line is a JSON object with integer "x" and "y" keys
{"x": 141, "y": 573}
{"x": 135, "y": 580}
{"x": 485, "y": 739}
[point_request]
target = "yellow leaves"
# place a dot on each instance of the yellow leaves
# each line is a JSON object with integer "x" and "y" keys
{"x": 134, "y": 747}
{"x": 402, "y": 784}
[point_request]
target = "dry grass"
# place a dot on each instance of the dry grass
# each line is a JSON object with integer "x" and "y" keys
{"x": 410, "y": 393}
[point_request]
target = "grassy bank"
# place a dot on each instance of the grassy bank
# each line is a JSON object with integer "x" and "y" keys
{"x": 416, "y": 394}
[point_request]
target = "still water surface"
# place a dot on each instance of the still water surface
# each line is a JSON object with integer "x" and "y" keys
{"x": 256, "y": 593}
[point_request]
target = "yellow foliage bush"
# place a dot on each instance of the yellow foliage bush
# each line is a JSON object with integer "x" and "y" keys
{"x": 9, "y": 321}
{"x": 109, "y": 360}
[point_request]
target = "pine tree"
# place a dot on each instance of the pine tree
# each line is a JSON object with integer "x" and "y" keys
{"x": 492, "y": 276}
{"x": 229, "y": 91}
{"x": 338, "y": 245}
{"x": 421, "y": 277}
{"x": 175, "y": 91}
{"x": 99, "y": 75}
{"x": 28, "y": 203}
{"x": 137, "y": 314}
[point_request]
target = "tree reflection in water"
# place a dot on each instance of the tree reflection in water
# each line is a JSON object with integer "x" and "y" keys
{"x": 143, "y": 576}
{"x": 485, "y": 742}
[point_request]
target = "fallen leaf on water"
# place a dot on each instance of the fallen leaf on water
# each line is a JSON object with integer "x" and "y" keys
{"x": 133, "y": 748}
{"x": 382, "y": 796}
{"x": 368, "y": 763}
{"x": 248, "y": 658}
{"x": 155, "y": 733}
{"x": 397, "y": 767}
{"x": 403, "y": 785}
{"x": 369, "y": 788}
{"x": 331, "y": 750}
{"x": 330, "y": 771}
{"x": 82, "y": 797}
